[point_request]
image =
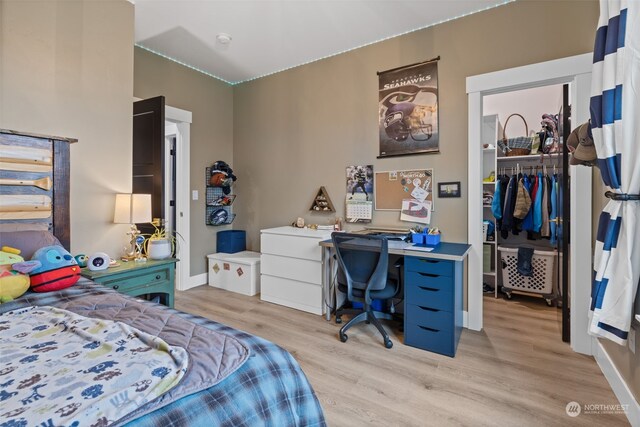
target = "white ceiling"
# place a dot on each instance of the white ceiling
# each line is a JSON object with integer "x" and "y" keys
{"x": 274, "y": 35}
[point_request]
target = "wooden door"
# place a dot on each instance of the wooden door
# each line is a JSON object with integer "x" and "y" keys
{"x": 148, "y": 155}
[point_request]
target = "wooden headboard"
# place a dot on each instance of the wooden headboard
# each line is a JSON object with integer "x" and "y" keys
{"x": 34, "y": 183}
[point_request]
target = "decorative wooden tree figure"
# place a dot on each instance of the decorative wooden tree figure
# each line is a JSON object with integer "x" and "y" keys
{"x": 322, "y": 202}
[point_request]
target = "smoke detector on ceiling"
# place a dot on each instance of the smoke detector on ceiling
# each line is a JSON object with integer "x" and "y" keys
{"x": 223, "y": 40}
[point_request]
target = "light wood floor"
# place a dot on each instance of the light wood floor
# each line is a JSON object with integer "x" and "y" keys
{"x": 516, "y": 372}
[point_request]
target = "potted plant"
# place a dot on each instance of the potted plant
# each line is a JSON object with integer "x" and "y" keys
{"x": 161, "y": 244}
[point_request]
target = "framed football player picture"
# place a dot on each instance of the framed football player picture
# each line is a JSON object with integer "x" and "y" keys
{"x": 408, "y": 110}
{"x": 449, "y": 189}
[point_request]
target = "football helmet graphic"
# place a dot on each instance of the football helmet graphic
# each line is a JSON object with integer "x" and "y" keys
{"x": 404, "y": 118}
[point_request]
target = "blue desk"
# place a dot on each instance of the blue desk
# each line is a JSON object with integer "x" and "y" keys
{"x": 432, "y": 293}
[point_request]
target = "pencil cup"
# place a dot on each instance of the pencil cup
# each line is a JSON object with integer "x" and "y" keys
{"x": 418, "y": 238}
{"x": 432, "y": 239}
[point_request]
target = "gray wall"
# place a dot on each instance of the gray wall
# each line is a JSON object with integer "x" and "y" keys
{"x": 297, "y": 130}
{"x": 66, "y": 69}
{"x": 211, "y": 102}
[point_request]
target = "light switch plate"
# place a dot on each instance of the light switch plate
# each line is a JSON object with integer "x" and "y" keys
{"x": 632, "y": 340}
{"x": 194, "y": 195}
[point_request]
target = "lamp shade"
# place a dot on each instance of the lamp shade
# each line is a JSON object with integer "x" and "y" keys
{"x": 132, "y": 208}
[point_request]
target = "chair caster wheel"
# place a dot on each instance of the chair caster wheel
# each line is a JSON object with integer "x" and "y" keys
{"x": 343, "y": 337}
{"x": 338, "y": 320}
{"x": 388, "y": 344}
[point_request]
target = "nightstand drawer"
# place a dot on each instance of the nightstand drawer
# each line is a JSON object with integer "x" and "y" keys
{"x": 134, "y": 281}
{"x": 429, "y": 280}
{"x": 427, "y": 265}
{"x": 429, "y": 297}
{"x": 431, "y": 317}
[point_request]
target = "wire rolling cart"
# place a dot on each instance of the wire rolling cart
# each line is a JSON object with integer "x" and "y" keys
{"x": 541, "y": 282}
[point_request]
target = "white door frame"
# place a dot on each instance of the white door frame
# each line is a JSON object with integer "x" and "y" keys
{"x": 182, "y": 120}
{"x": 575, "y": 70}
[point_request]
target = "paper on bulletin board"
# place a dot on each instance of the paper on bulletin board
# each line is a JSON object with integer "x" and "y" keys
{"x": 416, "y": 211}
{"x": 392, "y": 187}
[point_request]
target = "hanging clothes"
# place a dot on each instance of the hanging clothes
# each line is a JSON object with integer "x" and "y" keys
{"x": 614, "y": 111}
{"x": 497, "y": 203}
{"x": 523, "y": 201}
{"x": 537, "y": 206}
{"x": 507, "y": 210}
{"x": 516, "y": 227}
{"x": 545, "y": 230}
{"x": 553, "y": 216}
{"x": 527, "y": 223}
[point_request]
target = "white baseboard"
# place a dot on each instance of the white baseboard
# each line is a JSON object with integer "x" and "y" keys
{"x": 200, "y": 279}
{"x": 465, "y": 319}
{"x": 619, "y": 387}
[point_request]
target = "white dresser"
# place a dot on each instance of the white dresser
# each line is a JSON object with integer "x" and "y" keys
{"x": 291, "y": 267}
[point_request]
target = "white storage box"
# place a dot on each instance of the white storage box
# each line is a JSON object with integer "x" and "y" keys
{"x": 239, "y": 272}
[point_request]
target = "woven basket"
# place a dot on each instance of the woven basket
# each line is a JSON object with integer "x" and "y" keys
{"x": 519, "y": 146}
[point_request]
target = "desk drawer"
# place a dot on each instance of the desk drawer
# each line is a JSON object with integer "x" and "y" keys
{"x": 429, "y": 297}
{"x": 429, "y": 280}
{"x": 429, "y": 265}
{"x": 429, "y": 338}
{"x": 430, "y": 317}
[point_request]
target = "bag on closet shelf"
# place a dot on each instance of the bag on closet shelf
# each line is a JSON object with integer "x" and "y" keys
{"x": 535, "y": 142}
{"x": 551, "y": 141}
{"x": 519, "y": 146}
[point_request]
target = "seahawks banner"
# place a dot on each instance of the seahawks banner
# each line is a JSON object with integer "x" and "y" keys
{"x": 408, "y": 113}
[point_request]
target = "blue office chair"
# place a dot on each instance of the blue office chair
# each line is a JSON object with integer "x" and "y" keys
{"x": 363, "y": 276}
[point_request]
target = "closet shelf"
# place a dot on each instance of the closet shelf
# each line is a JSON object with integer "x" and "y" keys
{"x": 529, "y": 157}
{"x": 488, "y": 183}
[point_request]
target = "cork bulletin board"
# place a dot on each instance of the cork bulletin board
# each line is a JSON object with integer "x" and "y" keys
{"x": 391, "y": 187}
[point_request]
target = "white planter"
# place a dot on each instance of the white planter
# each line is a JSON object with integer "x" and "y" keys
{"x": 159, "y": 249}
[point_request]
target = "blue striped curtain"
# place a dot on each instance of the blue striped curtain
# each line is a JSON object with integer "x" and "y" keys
{"x": 615, "y": 120}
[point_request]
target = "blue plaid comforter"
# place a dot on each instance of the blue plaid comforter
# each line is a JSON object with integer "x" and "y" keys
{"x": 270, "y": 389}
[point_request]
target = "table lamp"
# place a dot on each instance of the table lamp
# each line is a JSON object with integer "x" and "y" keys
{"x": 133, "y": 209}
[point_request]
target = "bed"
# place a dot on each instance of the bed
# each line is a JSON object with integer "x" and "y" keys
{"x": 268, "y": 387}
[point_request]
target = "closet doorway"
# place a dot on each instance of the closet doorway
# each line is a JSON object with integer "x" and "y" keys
{"x": 525, "y": 254}
{"x": 574, "y": 72}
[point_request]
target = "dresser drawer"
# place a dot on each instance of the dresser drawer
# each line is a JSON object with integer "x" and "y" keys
{"x": 291, "y": 246}
{"x": 429, "y": 297}
{"x": 135, "y": 281}
{"x": 303, "y": 270}
{"x": 429, "y": 338}
{"x": 428, "y": 265}
{"x": 429, "y": 280}
{"x": 291, "y": 293}
{"x": 430, "y": 317}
